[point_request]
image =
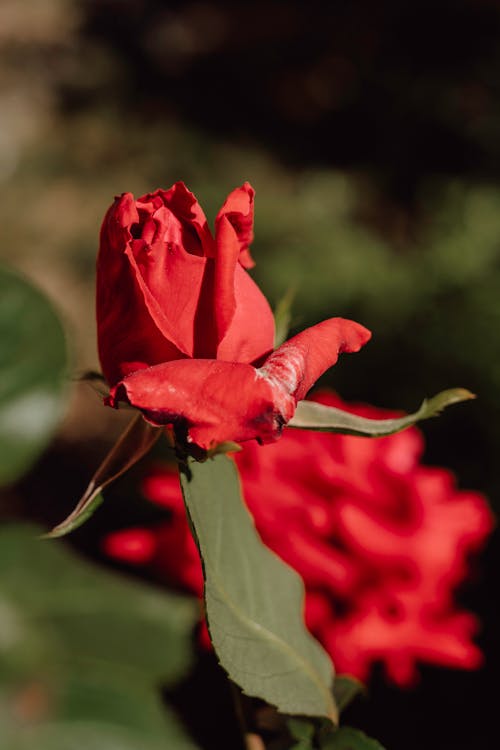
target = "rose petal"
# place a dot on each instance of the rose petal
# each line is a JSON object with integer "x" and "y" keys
{"x": 228, "y": 250}
{"x": 250, "y": 337}
{"x": 217, "y": 401}
{"x": 300, "y": 361}
{"x": 171, "y": 265}
{"x": 237, "y": 210}
{"x": 128, "y": 335}
{"x": 133, "y": 546}
{"x": 239, "y": 303}
{"x": 196, "y": 237}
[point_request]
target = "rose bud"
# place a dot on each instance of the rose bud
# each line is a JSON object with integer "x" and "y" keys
{"x": 186, "y": 336}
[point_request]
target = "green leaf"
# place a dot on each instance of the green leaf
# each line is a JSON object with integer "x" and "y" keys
{"x": 254, "y": 602}
{"x": 32, "y": 373}
{"x": 313, "y": 416}
{"x": 302, "y": 731}
{"x": 72, "y": 735}
{"x": 347, "y": 738}
{"x": 130, "y": 447}
{"x": 83, "y": 652}
{"x": 283, "y": 317}
{"x": 346, "y": 689}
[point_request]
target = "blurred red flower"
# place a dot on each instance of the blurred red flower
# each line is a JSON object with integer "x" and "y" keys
{"x": 184, "y": 333}
{"x": 380, "y": 540}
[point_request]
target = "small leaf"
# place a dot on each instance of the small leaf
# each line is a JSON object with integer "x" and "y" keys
{"x": 32, "y": 374}
{"x": 283, "y": 317}
{"x": 130, "y": 447}
{"x": 347, "y": 738}
{"x": 302, "y": 731}
{"x": 254, "y": 602}
{"x": 313, "y": 416}
{"x": 346, "y": 689}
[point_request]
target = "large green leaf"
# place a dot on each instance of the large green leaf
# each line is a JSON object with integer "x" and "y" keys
{"x": 32, "y": 368}
{"x": 310, "y": 415}
{"x": 254, "y": 602}
{"x": 83, "y": 652}
{"x": 80, "y": 735}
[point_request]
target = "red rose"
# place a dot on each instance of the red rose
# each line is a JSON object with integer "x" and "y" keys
{"x": 184, "y": 333}
{"x": 380, "y": 540}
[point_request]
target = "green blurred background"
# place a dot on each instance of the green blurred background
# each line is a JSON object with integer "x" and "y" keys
{"x": 371, "y": 133}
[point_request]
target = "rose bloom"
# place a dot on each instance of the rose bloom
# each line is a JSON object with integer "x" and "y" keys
{"x": 380, "y": 540}
{"x": 184, "y": 333}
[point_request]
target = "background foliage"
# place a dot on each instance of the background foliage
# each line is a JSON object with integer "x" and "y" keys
{"x": 370, "y": 133}
{"x": 73, "y": 670}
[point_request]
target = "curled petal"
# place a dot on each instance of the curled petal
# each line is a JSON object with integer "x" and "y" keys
{"x": 196, "y": 236}
{"x": 238, "y": 301}
{"x": 237, "y": 210}
{"x": 299, "y": 362}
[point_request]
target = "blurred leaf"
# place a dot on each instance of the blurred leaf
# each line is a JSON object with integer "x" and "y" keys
{"x": 130, "y": 447}
{"x": 32, "y": 367}
{"x": 283, "y": 317}
{"x": 302, "y": 732}
{"x": 86, "y": 650}
{"x": 346, "y": 689}
{"x": 310, "y": 734}
{"x": 94, "y": 736}
{"x": 347, "y": 738}
{"x": 254, "y": 601}
{"x": 313, "y": 416}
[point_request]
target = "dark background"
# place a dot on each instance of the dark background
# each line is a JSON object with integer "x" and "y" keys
{"x": 371, "y": 132}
